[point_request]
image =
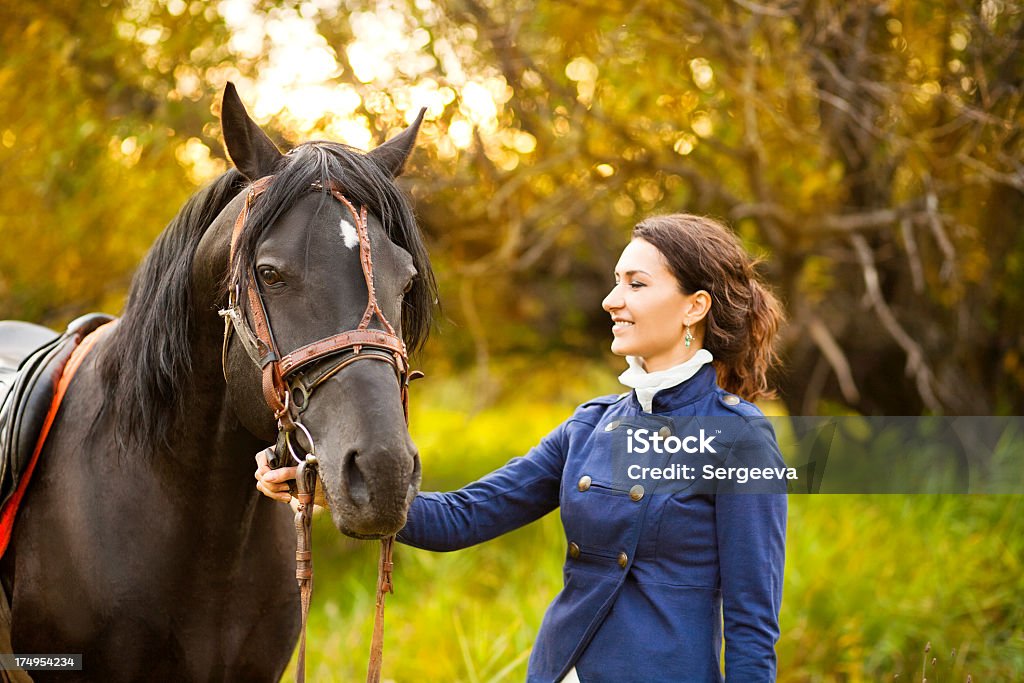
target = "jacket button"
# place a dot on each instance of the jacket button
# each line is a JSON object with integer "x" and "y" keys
{"x": 584, "y": 483}
{"x": 612, "y": 425}
{"x": 730, "y": 400}
{"x": 636, "y": 493}
{"x": 623, "y": 560}
{"x": 665, "y": 432}
{"x": 574, "y": 551}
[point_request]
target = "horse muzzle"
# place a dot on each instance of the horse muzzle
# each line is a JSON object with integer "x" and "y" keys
{"x": 369, "y": 467}
{"x": 370, "y": 492}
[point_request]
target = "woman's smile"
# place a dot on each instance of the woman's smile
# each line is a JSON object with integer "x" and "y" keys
{"x": 620, "y": 326}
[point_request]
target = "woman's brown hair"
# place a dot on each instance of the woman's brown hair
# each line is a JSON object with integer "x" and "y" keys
{"x": 744, "y": 315}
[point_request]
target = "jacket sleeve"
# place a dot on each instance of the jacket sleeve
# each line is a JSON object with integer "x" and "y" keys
{"x": 751, "y": 530}
{"x": 524, "y": 490}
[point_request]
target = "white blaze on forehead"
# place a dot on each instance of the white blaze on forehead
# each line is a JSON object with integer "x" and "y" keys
{"x": 349, "y": 234}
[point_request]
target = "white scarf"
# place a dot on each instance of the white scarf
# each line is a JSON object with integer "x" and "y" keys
{"x": 647, "y": 384}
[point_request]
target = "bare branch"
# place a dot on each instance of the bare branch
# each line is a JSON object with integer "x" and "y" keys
{"x": 833, "y": 353}
{"x": 857, "y": 117}
{"x": 815, "y": 386}
{"x": 913, "y": 256}
{"x": 767, "y": 11}
{"x": 759, "y": 210}
{"x": 935, "y": 222}
{"x": 916, "y": 365}
{"x": 1014, "y": 180}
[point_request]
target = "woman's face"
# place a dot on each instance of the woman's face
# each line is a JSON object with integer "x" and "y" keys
{"x": 649, "y": 311}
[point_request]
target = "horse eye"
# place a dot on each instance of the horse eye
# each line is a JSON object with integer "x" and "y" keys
{"x": 269, "y": 276}
{"x": 408, "y": 288}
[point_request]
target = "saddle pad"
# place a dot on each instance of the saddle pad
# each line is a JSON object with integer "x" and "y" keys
{"x": 18, "y": 340}
{"x": 67, "y": 372}
{"x": 32, "y": 358}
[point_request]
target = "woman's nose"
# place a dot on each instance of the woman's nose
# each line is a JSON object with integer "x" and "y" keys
{"x": 613, "y": 300}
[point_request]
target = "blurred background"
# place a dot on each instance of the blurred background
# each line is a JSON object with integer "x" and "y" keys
{"x": 870, "y": 152}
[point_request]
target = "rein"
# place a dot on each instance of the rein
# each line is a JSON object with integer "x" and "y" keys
{"x": 288, "y": 382}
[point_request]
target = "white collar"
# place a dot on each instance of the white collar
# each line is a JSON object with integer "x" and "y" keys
{"x": 647, "y": 384}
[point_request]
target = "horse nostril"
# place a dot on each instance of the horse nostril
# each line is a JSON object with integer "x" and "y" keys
{"x": 415, "y": 479}
{"x": 357, "y": 490}
{"x": 416, "y": 472}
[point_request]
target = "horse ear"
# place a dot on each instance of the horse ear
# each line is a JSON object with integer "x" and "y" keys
{"x": 252, "y": 152}
{"x": 391, "y": 156}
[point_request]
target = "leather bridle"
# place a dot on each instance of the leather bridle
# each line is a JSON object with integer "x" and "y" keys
{"x": 288, "y": 381}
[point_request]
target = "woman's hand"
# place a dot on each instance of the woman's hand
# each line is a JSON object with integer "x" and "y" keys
{"x": 273, "y": 483}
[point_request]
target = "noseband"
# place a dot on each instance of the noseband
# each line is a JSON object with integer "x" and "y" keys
{"x": 289, "y": 381}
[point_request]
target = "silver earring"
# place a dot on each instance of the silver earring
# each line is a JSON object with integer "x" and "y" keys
{"x": 687, "y": 337}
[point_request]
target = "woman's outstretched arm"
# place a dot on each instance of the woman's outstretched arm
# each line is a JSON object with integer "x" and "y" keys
{"x": 522, "y": 491}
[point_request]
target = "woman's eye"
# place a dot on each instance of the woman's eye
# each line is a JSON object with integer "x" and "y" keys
{"x": 636, "y": 285}
{"x": 269, "y": 276}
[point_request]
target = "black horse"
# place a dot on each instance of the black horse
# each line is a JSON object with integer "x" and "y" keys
{"x": 142, "y": 542}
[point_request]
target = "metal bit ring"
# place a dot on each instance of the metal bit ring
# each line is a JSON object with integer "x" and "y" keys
{"x": 311, "y": 456}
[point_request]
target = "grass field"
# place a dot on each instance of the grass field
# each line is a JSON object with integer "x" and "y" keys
{"x": 871, "y": 581}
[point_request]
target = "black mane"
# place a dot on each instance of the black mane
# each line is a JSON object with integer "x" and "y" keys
{"x": 147, "y": 367}
{"x": 146, "y": 364}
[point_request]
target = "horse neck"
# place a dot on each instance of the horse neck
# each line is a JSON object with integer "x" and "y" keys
{"x": 208, "y": 418}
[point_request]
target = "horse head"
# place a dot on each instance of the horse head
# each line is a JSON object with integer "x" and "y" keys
{"x": 326, "y": 267}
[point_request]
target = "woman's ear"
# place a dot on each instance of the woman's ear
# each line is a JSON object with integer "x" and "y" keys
{"x": 698, "y": 304}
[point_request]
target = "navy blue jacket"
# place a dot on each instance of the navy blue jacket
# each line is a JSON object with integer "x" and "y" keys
{"x": 648, "y": 576}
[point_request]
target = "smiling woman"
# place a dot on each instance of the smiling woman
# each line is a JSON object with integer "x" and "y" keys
{"x": 651, "y": 574}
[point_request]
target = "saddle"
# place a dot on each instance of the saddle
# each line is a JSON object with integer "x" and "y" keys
{"x": 32, "y": 359}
